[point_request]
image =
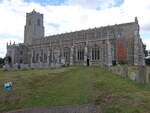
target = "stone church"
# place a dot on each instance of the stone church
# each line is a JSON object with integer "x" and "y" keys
{"x": 91, "y": 47}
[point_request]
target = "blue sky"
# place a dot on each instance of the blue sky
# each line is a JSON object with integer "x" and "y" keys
{"x": 47, "y": 2}
{"x": 60, "y": 2}
{"x": 62, "y": 16}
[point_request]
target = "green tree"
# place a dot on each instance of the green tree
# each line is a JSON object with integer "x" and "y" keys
{"x": 145, "y": 51}
{"x": 8, "y": 59}
{"x": 1, "y": 62}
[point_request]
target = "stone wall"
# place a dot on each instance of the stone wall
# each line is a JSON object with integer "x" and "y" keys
{"x": 139, "y": 74}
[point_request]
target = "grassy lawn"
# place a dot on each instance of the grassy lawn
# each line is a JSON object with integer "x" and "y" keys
{"x": 71, "y": 86}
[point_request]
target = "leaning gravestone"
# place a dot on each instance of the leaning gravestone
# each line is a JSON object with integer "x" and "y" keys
{"x": 132, "y": 76}
{"x": 125, "y": 71}
{"x": 142, "y": 74}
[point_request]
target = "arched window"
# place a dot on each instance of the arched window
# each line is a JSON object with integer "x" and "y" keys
{"x": 95, "y": 53}
{"x": 67, "y": 54}
{"x": 38, "y": 22}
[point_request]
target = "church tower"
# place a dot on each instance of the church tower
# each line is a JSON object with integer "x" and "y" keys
{"x": 34, "y": 28}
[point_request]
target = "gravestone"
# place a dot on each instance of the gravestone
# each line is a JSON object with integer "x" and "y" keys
{"x": 142, "y": 74}
{"x": 132, "y": 76}
{"x": 149, "y": 78}
{"x": 125, "y": 71}
{"x": 15, "y": 66}
{"x": 109, "y": 68}
{"x": 118, "y": 69}
{"x": 63, "y": 62}
{"x": 6, "y": 67}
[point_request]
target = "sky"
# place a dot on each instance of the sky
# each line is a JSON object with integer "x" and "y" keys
{"x": 61, "y": 16}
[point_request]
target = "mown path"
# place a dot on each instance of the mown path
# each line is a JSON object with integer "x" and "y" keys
{"x": 60, "y": 109}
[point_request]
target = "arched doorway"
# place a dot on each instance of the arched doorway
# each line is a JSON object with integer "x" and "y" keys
{"x": 88, "y": 62}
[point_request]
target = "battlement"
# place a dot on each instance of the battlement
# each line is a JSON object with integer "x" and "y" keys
{"x": 33, "y": 13}
{"x": 13, "y": 45}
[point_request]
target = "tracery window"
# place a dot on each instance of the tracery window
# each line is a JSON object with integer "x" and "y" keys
{"x": 80, "y": 53}
{"x": 95, "y": 53}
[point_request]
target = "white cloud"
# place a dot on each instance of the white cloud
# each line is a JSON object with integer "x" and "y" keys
{"x": 92, "y": 3}
{"x": 75, "y": 15}
{"x": 147, "y": 42}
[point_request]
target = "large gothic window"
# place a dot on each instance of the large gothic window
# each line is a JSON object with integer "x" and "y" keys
{"x": 41, "y": 58}
{"x": 50, "y": 57}
{"x": 95, "y": 53}
{"x": 80, "y": 54}
{"x": 45, "y": 57}
{"x": 67, "y": 54}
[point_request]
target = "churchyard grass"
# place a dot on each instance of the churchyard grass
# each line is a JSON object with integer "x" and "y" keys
{"x": 72, "y": 86}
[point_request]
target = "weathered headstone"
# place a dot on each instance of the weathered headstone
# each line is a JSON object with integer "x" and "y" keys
{"x": 6, "y": 67}
{"x": 109, "y": 68}
{"x": 125, "y": 71}
{"x": 142, "y": 74}
{"x": 63, "y": 62}
{"x": 118, "y": 69}
{"x": 15, "y": 66}
{"x": 132, "y": 76}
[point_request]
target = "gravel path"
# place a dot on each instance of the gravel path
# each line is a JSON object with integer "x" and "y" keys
{"x": 60, "y": 109}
